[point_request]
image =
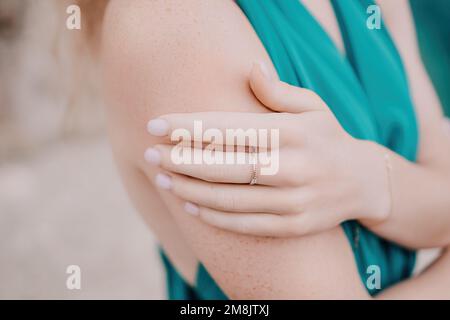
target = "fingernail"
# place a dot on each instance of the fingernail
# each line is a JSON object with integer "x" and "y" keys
{"x": 158, "y": 127}
{"x": 264, "y": 69}
{"x": 163, "y": 181}
{"x": 191, "y": 208}
{"x": 152, "y": 156}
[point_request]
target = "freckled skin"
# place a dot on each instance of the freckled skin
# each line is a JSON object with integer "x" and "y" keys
{"x": 205, "y": 69}
{"x": 194, "y": 55}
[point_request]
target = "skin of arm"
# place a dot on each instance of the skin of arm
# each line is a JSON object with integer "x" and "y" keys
{"x": 178, "y": 56}
{"x": 322, "y": 185}
{"x": 164, "y": 56}
{"x": 421, "y": 205}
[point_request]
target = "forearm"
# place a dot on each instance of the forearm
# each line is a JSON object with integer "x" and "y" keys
{"x": 420, "y": 203}
{"x": 248, "y": 267}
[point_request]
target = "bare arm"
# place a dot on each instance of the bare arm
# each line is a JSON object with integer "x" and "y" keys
{"x": 197, "y": 57}
{"x": 185, "y": 56}
{"x": 331, "y": 177}
{"x": 421, "y": 213}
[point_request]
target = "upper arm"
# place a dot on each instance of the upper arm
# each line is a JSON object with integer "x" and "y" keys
{"x": 179, "y": 56}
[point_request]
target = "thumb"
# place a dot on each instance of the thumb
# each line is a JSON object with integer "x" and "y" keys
{"x": 280, "y": 96}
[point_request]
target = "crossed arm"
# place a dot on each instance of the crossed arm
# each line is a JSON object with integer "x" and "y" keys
{"x": 197, "y": 57}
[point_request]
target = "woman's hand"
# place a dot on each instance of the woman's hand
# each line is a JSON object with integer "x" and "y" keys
{"x": 324, "y": 175}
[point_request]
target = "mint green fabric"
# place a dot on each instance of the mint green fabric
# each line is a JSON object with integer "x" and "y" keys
{"x": 367, "y": 91}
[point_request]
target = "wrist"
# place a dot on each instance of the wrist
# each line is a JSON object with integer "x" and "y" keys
{"x": 376, "y": 184}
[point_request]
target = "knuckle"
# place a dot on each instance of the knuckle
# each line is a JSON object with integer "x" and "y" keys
{"x": 310, "y": 94}
{"x": 274, "y": 95}
{"x": 314, "y": 97}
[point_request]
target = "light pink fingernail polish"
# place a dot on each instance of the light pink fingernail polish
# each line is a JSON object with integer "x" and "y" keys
{"x": 152, "y": 156}
{"x": 191, "y": 208}
{"x": 163, "y": 181}
{"x": 158, "y": 127}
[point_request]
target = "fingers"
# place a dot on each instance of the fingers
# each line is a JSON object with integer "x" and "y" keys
{"x": 265, "y": 224}
{"x": 231, "y": 167}
{"x": 222, "y": 120}
{"x": 240, "y": 128}
{"x": 182, "y": 160}
{"x": 224, "y": 128}
{"x": 249, "y": 210}
{"x": 280, "y": 96}
{"x": 233, "y": 198}
{"x": 254, "y": 224}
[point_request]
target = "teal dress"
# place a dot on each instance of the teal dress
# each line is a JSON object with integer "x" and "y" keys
{"x": 432, "y": 20}
{"x": 366, "y": 89}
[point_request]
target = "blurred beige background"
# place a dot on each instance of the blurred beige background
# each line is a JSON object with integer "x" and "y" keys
{"x": 61, "y": 201}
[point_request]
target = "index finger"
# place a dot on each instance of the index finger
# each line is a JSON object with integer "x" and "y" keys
{"x": 225, "y": 128}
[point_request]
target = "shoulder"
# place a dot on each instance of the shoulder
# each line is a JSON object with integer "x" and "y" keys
{"x": 185, "y": 39}
{"x": 180, "y": 52}
{"x": 193, "y": 28}
{"x": 166, "y": 56}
